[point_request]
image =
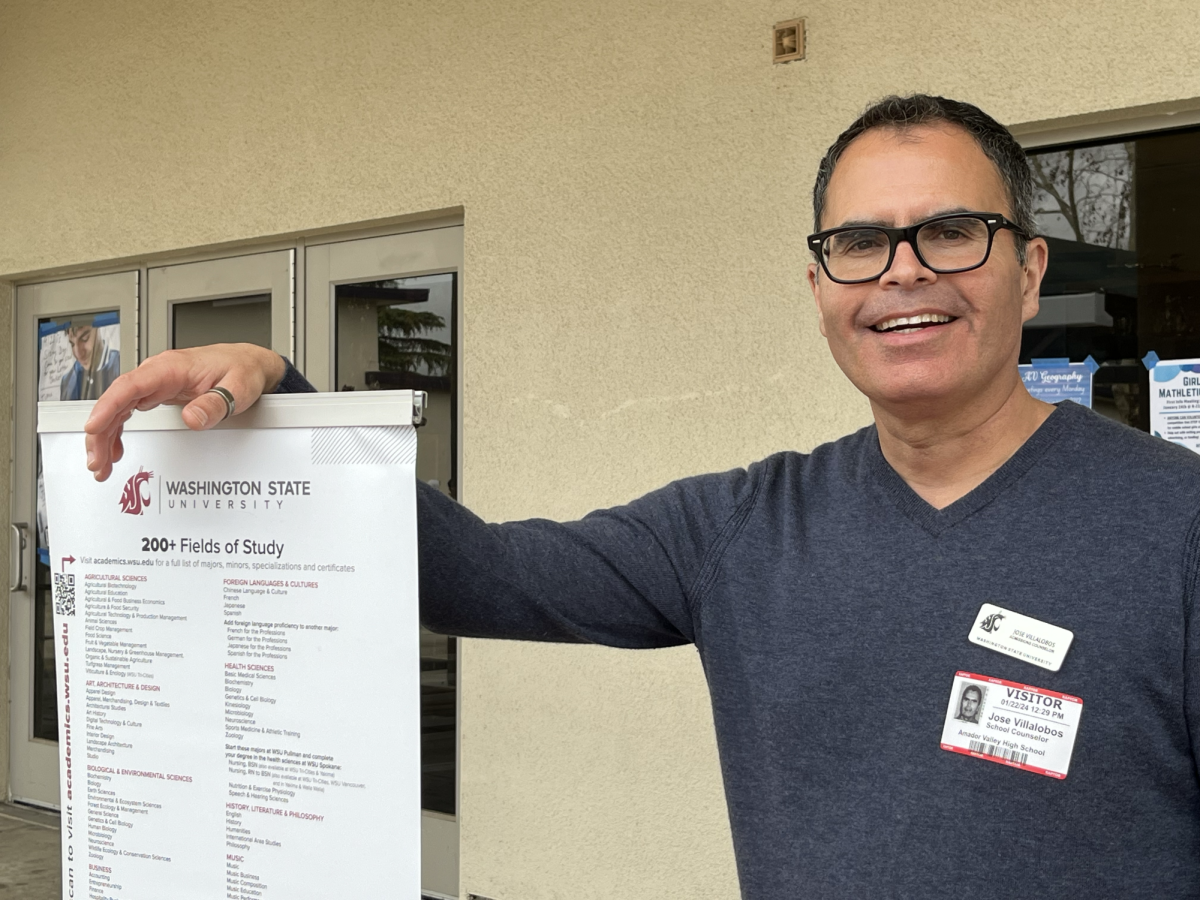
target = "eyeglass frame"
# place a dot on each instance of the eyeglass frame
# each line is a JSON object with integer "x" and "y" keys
{"x": 908, "y": 235}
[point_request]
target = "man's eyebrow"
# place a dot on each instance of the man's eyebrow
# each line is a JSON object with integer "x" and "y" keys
{"x": 882, "y": 223}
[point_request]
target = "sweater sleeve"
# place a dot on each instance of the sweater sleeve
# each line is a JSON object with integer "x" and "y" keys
{"x": 293, "y": 382}
{"x": 1191, "y": 656}
{"x": 631, "y": 576}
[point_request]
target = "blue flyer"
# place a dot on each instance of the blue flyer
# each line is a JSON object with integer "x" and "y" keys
{"x": 1058, "y": 379}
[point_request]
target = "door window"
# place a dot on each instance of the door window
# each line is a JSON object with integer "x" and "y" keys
{"x": 1124, "y": 274}
{"x": 397, "y": 334}
{"x": 233, "y": 320}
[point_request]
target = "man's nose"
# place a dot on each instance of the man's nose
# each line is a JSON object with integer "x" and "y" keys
{"x": 906, "y": 270}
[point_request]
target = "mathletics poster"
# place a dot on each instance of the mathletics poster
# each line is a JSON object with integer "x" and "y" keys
{"x": 235, "y": 617}
{"x": 1175, "y": 400}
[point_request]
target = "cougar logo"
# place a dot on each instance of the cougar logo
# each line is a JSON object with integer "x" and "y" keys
{"x": 992, "y": 622}
{"x": 136, "y": 496}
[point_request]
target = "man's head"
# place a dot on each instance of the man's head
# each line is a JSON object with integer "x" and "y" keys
{"x": 968, "y": 705}
{"x": 903, "y": 161}
{"x": 994, "y": 140}
{"x": 83, "y": 343}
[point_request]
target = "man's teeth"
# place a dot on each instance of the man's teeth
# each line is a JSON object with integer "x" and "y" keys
{"x": 913, "y": 323}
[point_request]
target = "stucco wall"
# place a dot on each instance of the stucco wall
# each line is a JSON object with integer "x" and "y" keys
{"x": 634, "y": 178}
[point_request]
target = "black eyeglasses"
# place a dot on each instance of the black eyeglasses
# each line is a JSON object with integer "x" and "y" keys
{"x": 957, "y": 242}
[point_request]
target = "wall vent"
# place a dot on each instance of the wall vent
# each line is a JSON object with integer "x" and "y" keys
{"x": 787, "y": 43}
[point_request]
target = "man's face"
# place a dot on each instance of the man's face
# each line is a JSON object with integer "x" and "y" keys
{"x": 893, "y": 178}
{"x": 82, "y": 340}
{"x": 969, "y": 705}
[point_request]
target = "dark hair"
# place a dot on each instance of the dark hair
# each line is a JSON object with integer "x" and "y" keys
{"x": 993, "y": 139}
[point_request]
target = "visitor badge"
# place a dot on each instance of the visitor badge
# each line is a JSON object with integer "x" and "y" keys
{"x": 1021, "y": 637}
{"x": 1013, "y": 724}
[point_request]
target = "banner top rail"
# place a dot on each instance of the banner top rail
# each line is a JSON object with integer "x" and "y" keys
{"x": 343, "y": 409}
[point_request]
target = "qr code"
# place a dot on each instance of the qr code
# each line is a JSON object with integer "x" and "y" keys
{"x": 64, "y": 594}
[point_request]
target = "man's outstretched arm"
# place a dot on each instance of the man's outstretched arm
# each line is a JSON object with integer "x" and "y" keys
{"x": 622, "y": 577}
{"x": 629, "y": 576}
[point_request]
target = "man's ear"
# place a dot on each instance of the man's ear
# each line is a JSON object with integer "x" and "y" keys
{"x": 814, "y": 283}
{"x": 1037, "y": 257}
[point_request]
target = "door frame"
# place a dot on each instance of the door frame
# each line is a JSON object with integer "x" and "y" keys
{"x": 272, "y": 272}
{"x": 33, "y": 770}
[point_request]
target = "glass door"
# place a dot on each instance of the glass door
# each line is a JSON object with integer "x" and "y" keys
{"x": 72, "y": 340}
{"x": 239, "y": 299}
{"x": 382, "y": 314}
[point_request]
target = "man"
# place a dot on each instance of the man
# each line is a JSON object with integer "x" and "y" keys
{"x": 96, "y": 365}
{"x": 805, "y": 577}
{"x": 968, "y": 704}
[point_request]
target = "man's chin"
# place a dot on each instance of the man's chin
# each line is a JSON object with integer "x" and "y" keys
{"x": 916, "y": 394}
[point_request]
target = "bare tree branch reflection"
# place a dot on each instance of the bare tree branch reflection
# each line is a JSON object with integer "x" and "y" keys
{"x": 1086, "y": 194}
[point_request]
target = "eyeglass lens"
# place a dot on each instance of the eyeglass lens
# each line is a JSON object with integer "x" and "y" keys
{"x": 944, "y": 245}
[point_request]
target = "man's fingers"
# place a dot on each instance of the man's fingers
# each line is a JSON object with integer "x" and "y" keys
{"x": 105, "y": 448}
{"x": 179, "y": 376}
{"x": 100, "y": 452}
{"x": 151, "y": 383}
{"x": 99, "y": 455}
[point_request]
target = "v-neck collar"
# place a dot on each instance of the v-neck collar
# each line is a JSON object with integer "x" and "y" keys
{"x": 936, "y": 521}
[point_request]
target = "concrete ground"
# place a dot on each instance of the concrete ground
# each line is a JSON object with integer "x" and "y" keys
{"x": 30, "y": 867}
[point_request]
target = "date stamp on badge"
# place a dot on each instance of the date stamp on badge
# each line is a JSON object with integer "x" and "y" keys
{"x": 1013, "y": 724}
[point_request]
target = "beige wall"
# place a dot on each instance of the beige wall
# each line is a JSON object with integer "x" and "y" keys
{"x": 635, "y": 184}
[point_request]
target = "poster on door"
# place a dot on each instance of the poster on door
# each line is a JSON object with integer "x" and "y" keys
{"x": 235, "y": 619}
{"x": 78, "y": 358}
{"x": 1175, "y": 400}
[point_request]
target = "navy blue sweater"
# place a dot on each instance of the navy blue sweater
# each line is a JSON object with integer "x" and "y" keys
{"x": 831, "y": 605}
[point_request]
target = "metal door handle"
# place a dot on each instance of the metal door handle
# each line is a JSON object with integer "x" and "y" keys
{"x": 16, "y": 556}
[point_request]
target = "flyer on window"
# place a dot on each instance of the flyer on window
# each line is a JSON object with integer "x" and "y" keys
{"x": 1175, "y": 400}
{"x": 235, "y": 619}
{"x": 1055, "y": 380}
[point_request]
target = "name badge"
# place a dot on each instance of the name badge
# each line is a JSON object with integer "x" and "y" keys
{"x": 1012, "y": 724}
{"x": 1021, "y": 637}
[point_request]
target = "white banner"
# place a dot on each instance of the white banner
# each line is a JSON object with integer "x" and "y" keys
{"x": 238, "y": 663}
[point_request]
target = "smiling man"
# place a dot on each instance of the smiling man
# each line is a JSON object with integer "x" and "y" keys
{"x": 807, "y": 580}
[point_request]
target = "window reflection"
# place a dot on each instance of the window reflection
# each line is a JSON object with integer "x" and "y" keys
{"x": 1124, "y": 274}
{"x": 398, "y": 334}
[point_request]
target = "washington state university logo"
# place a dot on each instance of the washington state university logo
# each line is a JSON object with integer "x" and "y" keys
{"x": 136, "y": 496}
{"x": 990, "y": 624}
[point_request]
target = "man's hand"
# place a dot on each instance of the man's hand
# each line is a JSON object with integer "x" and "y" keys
{"x": 180, "y": 377}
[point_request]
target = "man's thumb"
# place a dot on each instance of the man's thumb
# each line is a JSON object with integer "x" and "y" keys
{"x": 207, "y": 410}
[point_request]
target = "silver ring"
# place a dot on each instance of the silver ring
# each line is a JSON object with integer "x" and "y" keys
{"x": 225, "y": 395}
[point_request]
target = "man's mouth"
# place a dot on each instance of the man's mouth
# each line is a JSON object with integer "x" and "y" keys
{"x": 910, "y": 324}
